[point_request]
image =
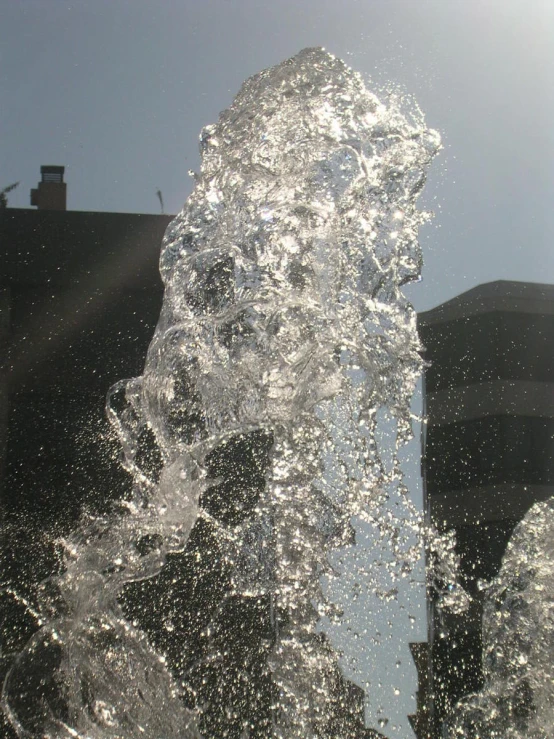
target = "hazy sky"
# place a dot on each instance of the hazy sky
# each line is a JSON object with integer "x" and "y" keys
{"x": 118, "y": 90}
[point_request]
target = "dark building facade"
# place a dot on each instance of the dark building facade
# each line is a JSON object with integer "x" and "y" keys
{"x": 488, "y": 449}
{"x": 420, "y": 720}
{"x": 80, "y": 295}
{"x": 80, "y": 299}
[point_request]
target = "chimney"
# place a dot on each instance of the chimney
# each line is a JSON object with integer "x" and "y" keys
{"x": 51, "y": 193}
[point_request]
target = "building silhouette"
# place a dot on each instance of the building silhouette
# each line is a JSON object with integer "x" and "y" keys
{"x": 420, "y": 721}
{"x": 80, "y": 296}
{"x": 487, "y": 450}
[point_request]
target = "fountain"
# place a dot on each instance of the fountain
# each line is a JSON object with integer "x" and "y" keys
{"x": 193, "y": 608}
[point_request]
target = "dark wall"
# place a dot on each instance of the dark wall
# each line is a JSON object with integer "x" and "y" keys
{"x": 490, "y": 432}
{"x": 85, "y": 294}
{"x": 81, "y": 297}
{"x": 490, "y": 450}
{"x": 84, "y": 298}
{"x": 488, "y": 346}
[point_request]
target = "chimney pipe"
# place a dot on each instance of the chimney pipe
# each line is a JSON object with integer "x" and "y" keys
{"x": 51, "y": 193}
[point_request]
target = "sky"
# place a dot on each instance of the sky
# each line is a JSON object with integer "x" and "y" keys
{"x": 118, "y": 90}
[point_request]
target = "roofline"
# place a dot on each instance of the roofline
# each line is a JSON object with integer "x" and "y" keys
{"x": 500, "y": 295}
{"x": 63, "y": 213}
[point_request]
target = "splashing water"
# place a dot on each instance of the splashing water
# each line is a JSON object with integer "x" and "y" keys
{"x": 282, "y": 313}
{"x": 517, "y": 701}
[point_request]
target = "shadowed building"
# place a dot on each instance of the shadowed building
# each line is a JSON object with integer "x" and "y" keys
{"x": 420, "y": 720}
{"x": 487, "y": 448}
{"x": 80, "y": 296}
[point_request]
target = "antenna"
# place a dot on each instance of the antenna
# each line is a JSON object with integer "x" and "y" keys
{"x": 160, "y": 198}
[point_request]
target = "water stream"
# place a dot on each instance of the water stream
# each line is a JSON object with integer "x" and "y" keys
{"x": 282, "y": 315}
{"x": 517, "y": 700}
